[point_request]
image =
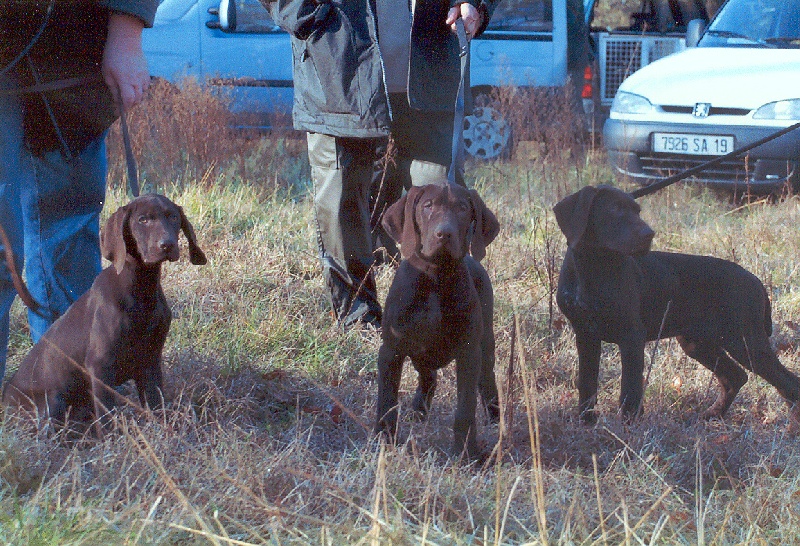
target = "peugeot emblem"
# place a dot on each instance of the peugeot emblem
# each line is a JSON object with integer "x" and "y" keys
{"x": 701, "y": 109}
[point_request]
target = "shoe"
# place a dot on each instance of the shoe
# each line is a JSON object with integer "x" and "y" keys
{"x": 363, "y": 314}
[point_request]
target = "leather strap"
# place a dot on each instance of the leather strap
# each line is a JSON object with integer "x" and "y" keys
{"x": 455, "y": 174}
{"x": 130, "y": 159}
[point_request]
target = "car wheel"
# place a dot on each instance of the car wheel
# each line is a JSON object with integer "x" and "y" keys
{"x": 486, "y": 133}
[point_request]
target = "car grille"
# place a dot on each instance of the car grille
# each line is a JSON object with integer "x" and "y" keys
{"x": 713, "y": 111}
{"x": 622, "y": 55}
{"x": 735, "y": 170}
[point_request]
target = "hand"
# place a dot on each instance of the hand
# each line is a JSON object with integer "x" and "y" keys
{"x": 124, "y": 65}
{"x": 473, "y": 19}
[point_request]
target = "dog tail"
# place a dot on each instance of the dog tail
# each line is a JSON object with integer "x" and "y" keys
{"x": 19, "y": 285}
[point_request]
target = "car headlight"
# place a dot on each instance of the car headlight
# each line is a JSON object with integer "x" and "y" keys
{"x": 630, "y": 103}
{"x": 782, "y": 109}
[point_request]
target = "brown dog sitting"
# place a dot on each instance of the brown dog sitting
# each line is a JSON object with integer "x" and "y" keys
{"x": 439, "y": 306}
{"x": 613, "y": 289}
{"x": 115, "y": 331}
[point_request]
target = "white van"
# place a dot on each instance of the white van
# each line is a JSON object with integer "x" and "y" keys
{"x": 737, "y": 82}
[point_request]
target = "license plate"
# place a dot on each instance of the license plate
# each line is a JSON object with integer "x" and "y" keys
{"x": 690, "y": 144}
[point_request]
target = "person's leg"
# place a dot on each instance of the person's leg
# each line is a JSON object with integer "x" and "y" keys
{"x": 424, "y": 142}
{"x": 16, "y": 171}
{"x": 342, "y": 171}
{"x": 62, "y": 229}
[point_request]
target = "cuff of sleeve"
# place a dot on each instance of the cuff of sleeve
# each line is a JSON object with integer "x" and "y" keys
{"x": 145, "y": 11}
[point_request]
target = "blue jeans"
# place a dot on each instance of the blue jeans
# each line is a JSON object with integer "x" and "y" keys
{"x": 50, "y": 209}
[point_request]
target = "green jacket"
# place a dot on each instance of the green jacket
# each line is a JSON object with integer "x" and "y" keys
{"x": 338, "y": 71}
{"x": 66, "y": 39}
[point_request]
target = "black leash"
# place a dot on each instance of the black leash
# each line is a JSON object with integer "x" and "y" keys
{"x": 130, "y": 159}
{"x": 652, "y": 188}
{"x": 455, "y": 174}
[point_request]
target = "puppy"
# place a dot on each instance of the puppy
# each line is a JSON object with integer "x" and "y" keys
{"x": 116, "y": 330}
{"x": 613, "y": 289}
{"x": 439, "y": 306}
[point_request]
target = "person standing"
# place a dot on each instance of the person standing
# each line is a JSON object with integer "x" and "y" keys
{"x": 371, "y": 75}
{"x": 65, "y": 67}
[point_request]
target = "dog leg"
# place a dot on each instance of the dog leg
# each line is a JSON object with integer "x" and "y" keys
{"x": 464, "y": 433}
{"x": 423, "y": 398}
{"x": 588, "y": 373}
{"x": 729, "y": 374}
{"x": 390, "y": 369}
{"x": 754, "y": 352}
{"x": 103, "y": 402}
{"x": 149, "y": 386}
{"x": 632, "y": 384}
{"x": 487, "y": 385}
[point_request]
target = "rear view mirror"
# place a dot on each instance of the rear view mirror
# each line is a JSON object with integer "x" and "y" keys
{"x": 694, "y": 30}
{"x": 227, "y": 15}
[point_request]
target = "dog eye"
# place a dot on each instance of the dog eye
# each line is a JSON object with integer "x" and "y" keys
{"x": 143, "y": 219}
{"x": 427, "y": 204}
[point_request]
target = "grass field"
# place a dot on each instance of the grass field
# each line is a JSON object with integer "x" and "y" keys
{"x": 266, "y": 439}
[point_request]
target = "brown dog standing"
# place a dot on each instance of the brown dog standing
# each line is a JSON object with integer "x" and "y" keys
{"x": 115, "y": 331}
{"x": 613, "y": 289}
{"x": 439, "y": 306}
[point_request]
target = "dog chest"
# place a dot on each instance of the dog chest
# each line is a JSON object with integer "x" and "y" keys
{"x": 424, "y": 315}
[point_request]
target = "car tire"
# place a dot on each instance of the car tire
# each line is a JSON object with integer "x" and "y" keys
{"x": 487, "y": 134}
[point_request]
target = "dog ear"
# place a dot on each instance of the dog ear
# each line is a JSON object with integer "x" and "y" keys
{"x": 112, "y": 239}
{"x": 572, "y": 214}
{"x": 486, "y": 226}
{"x": 399, "y": 221}
{"x": 196, "y": 256}
{"x": 392, "y": 219}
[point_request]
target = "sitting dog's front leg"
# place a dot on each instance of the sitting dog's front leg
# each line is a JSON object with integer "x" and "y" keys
{"x": 104, "y": 398}
{"x": 149, "y": 385}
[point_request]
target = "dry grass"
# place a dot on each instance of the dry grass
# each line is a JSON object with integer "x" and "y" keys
{"x": 266, "y": 438}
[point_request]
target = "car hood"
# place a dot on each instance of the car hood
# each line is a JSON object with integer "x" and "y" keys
{"x": 730, "y": 77}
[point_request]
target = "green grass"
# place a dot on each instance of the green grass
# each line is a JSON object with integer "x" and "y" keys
{"x": 265, "y": 439}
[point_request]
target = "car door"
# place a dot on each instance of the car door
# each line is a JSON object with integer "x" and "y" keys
{"x": 251, "y": 64}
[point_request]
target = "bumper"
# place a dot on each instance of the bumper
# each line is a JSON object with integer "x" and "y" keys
{"x": 766, "y": 168}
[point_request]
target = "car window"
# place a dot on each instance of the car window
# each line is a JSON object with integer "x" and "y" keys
{"x": 252, "y": 16}
{"x": 523, "y": 16}
{"x": 765, "y": 23}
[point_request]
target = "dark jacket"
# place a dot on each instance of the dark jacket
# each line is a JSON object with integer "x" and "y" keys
{"x": 67, "y": 43}
{"x": 338, "y": 72}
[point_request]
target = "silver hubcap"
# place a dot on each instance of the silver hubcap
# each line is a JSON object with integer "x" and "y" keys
{"x": 486, "y": 133}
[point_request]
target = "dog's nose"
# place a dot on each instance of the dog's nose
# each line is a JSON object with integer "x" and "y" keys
{"x": 166, "y": 244}
{"x": 442, "y": 233}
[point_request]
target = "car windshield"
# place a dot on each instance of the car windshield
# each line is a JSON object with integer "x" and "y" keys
{"x": 760, "y": 23}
